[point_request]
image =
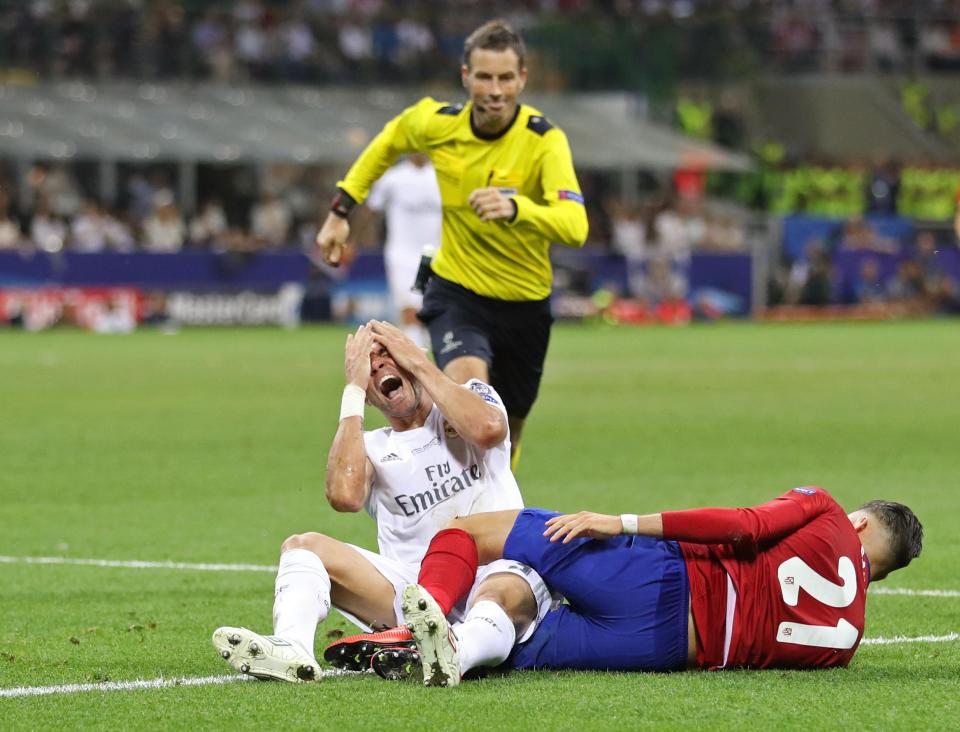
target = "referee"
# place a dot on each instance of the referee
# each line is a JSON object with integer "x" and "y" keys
{"x": 508, "y": 189}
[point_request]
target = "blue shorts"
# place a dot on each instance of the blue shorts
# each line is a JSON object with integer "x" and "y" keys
{"x": 628, "y": 601}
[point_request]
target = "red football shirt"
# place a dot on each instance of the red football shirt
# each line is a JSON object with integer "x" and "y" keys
{"x": 799, "y": 574}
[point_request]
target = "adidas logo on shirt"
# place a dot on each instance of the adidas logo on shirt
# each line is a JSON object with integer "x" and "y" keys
{"x": 389, "y": 457}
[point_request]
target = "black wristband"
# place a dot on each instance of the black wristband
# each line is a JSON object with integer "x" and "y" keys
{"x": 342, "y": 204}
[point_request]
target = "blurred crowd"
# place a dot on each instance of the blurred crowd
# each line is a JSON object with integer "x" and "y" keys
{"x": 862, "y": 267}
{"x": 341, "y": 41}
{"x": 53, "y": 209}
{"x": 835, "y": 189}
{"x": 849, "y": 260}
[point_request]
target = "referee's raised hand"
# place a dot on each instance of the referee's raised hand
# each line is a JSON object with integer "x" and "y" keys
{"x": 332, "y": 239}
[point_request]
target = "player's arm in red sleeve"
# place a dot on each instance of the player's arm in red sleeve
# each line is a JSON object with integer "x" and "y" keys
{"x": 768, "y": 521}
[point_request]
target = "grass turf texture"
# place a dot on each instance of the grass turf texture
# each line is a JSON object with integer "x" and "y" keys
{"x": 210, "y": 445}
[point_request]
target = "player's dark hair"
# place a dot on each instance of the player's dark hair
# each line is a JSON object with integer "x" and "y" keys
{"x": 906, "y": 531}
{"x": 494, "y": 35}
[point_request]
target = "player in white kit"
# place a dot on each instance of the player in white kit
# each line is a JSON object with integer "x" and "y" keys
{"x": 446, "y": 453}
{"x": 409, "y": 198}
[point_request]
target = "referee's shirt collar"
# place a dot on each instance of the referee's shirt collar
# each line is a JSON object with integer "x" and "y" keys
{"x": 496, "y": 135}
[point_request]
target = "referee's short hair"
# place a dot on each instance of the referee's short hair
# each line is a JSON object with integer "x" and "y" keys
{"x": 495, "y": 35}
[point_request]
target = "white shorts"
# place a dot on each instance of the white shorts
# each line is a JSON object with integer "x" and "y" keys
{"x": 401, "y": 574}
{"x": 401, "y": 274}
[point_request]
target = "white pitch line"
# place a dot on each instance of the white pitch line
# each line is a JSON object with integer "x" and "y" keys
{"x": 137, "y": 564}
{"x": 897, "y": 639}
{"x": 161, "y": 683}
{"x": 914, "y": 593}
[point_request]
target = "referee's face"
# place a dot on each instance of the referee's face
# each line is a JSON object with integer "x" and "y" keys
{"x": 494, "y": 80}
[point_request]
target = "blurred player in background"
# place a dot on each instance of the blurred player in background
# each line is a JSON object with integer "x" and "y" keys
{"x": 508, "y": 189}
{"x": 446, "y": 453}
{"x": 409, "y": 199}
{"x": 780, "y": 585}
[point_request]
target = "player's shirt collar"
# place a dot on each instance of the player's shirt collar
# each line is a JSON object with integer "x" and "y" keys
{"x": 495, "y": 135}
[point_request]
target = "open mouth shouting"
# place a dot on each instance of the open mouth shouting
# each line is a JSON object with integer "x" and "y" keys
{"x": 389, "y": 385}
{"x": 391, "y": 389}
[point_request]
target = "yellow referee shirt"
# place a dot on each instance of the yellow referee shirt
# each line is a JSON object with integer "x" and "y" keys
{"x": 530, "y": 162}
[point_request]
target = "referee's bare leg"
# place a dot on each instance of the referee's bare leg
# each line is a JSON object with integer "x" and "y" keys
{"x": 465, "y": 368}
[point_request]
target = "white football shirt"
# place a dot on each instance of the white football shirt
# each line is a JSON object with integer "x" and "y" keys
{"x": 409, "y": 198}
{"x": 426, "y": 477}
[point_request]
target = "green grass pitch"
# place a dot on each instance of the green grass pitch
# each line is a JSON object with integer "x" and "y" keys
{"x": 210, "y": 446}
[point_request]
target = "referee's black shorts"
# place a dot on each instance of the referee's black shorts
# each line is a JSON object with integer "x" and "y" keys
{"x": 512, "y": 337}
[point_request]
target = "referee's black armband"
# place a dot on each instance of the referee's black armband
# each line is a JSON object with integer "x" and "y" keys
{"x": 342, "y": 204}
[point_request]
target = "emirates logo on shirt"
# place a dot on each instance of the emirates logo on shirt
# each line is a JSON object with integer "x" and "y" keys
{"x": 444, "y": 485}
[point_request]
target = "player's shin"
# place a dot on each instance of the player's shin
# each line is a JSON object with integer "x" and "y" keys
{"x": 486, "y": 636}
{"x": 302, "y": 597}
{"x": 449, "y": 567}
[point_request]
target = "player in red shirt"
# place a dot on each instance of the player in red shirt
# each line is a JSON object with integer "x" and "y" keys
{"x": 780, "y": 585}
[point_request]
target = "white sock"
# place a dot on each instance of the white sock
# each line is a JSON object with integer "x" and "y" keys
{"x": 302, "y": 597}
{"x": 486, "y": 636}
{"x": 417, "y": 334}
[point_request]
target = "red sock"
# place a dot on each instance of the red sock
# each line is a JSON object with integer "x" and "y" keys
{"x": 449, "y": 567}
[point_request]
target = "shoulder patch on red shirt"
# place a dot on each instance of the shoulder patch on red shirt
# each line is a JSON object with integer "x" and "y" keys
{"x": 805, "y": 491}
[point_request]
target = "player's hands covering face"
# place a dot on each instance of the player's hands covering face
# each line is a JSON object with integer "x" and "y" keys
{"x": 574, "y": 525}
{"x": 356, "y": 359}
{"x": 404, "y": 351}
{"x": 490, "y": 204}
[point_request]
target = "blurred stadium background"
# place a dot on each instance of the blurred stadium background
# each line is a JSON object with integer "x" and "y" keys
{"x": 169, "y": 160}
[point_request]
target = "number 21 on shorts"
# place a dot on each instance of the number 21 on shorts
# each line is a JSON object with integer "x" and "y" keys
{"x": 795, "y": 574}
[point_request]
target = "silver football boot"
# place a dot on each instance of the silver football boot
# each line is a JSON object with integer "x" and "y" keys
{"x": 265, "y": 656}
{"x": 434, "y": 637}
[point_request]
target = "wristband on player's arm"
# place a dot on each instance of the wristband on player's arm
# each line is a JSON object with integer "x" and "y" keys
{"x": 630, "y": 523}
{"x": 342, "y": 204}
{"x": 352, "y": 402}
